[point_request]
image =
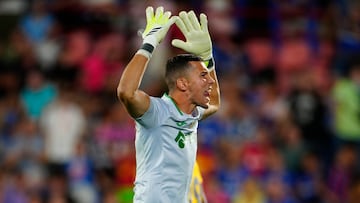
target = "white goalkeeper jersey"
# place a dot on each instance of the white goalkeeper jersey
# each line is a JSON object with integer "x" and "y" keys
{"x": 166, "y": 144}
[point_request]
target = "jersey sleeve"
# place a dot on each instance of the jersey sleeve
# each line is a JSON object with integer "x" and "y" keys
{"x": 154, "y": 115}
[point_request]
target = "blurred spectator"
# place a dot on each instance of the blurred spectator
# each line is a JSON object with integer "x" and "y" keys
{"x": 11, "y": 112}
{"x": 125, "y": 171}
{"x": 347, "y": 19}
{"x": 291, "y": 145}
{"x": 104, "y": 61}
{"x": 110, "y": 196}
{"x": 210, "y": 132}
{"x": 24, "y": 152}
{"x": 348, "y": 30}
{"x": 287, "y": 64}
{"x": 231, "y": 174}
{"x": 215, "y": 192}
{"x": 114, "y": 135}
{"x": 14, "y": 7}
{"x": 234, "y": 121}
{"x": 276, "y": 192}
{"x": 254, "y": 152}
{"x": 309, "y": 112}
{"x": 47, "y": 51}
{"x": 56, "y": 190}
{"x": 309, "y": 181}
{"x": 74, "y": 51}
{"x": 80, "y": 172}
{"x": 260, "y": 54}
{"x": 270, "y": 105}
{"x": 227, "y": 54}
{"x": 278, "y": 182}
{"x": 236, "y": 117}
{"x": 62, "y": 125}
{"x": 250, "y": 192}
{"x": 15, "y": 57}
{"x": 354, "y": 190}
{"x": 116, "y": 126}
{"x": 17, "y": 48}
{"x": 37, "y": 93}
{"x": 37, "y": 24}
{"x": 347, "y": 107}
{"x": 14, "y": 190}
{"x": 77, "y": 47}
{"x": 341, "y": 173}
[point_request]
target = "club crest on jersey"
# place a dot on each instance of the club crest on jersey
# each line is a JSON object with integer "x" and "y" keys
{"x": 181, "y": 123}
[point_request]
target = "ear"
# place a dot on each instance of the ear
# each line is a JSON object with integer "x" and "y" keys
{"x": 182, "y": 84}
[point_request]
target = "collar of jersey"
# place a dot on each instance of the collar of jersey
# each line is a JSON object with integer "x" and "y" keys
{"x": 172, "y": 100}
{"x": 192, "y": 116}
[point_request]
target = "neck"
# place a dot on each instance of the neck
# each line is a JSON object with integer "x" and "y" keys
{"x": 182, "y": 101}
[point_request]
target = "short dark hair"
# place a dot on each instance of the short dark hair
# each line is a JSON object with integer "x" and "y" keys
{"x": 176, "y": 67}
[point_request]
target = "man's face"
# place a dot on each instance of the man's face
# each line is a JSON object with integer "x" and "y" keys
{"x": 200, "y": 84}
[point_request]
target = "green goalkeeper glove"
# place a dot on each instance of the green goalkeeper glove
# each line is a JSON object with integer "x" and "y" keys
{"x": 197, "y": 36}
{"x": 156, "y": 28}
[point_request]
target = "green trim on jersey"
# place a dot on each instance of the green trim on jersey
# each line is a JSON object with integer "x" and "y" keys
{"x": 173, "y": 103}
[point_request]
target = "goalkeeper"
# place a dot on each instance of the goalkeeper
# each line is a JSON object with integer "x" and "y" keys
{"x": 166, "y": 127}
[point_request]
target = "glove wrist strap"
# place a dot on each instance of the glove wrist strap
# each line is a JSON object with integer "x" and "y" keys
{"x": 146, "y": 50}
{"x": 148, "y": 47}
{"x": 149, "y": 44}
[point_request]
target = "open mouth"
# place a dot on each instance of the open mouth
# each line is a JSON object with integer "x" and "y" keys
{"x": 207, "y": 93}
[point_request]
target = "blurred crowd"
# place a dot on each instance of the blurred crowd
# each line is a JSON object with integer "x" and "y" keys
{"x": 288, "y": 130}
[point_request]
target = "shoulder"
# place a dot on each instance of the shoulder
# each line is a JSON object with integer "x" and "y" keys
{"x": 159, "y": 103}
{"x": 156, "y": 113}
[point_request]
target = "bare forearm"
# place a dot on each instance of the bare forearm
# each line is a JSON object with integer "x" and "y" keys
{"x": 215, "y": 94}
{"x": 135, "y": 100}
{"x": 132, "y": 76}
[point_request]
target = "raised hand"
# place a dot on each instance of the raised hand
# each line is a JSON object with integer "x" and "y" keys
{"x": 157, "y": 25}
{"x": 196, "y": 33}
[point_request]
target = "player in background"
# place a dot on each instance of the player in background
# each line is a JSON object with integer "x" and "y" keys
{"x": 196, "y": 193}
{"x": 166, "y": 127}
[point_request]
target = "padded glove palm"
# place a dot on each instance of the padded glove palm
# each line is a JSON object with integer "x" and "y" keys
{"x": 197, "y": 35}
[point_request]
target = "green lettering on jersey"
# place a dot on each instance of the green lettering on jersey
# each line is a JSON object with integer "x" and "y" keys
{"x": 180, "y": 138}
